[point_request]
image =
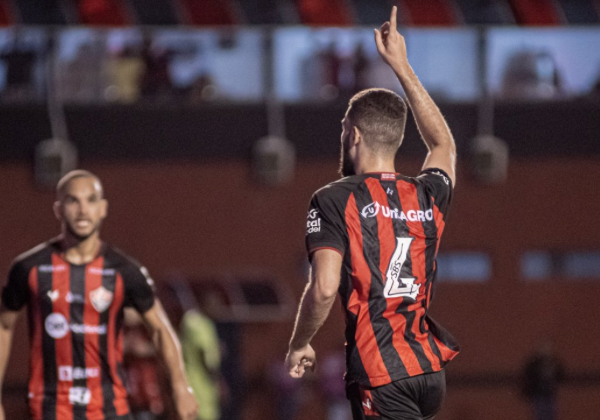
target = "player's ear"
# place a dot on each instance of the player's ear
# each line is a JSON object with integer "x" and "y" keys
{"x": 104, "y": 210}
{"x": 56, "y": 209}
{"x": 356, "y": 136}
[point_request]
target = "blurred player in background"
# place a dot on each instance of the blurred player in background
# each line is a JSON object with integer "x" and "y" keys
{"x": 381, "y": 231}
{"x": 76, "y": 287}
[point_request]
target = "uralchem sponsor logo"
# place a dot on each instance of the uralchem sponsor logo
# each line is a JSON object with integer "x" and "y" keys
{"x": 313, "y": 224}
{"x": 102, "y": 271}
{"x": 69, "y": 373}
{"x": 48, "y": 268}
{"x": 57, "y": 327}
{"x": 373, "y": 209}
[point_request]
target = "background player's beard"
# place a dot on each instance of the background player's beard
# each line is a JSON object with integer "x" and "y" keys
{"x": 346, "y": 164}
{"x": 79, "y": 236}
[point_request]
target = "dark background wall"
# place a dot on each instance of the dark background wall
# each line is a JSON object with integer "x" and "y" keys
{"x": 210, "y": 217}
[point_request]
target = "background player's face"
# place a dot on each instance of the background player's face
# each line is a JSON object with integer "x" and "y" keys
{"x": 346, "y": 161}
{"x": 81, "y": 208}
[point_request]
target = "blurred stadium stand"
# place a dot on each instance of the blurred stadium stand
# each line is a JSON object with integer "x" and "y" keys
{"x": 311, "y": 12}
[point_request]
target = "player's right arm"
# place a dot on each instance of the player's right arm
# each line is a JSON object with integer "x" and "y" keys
{"x": 8, "y": 319}
{"x": 14, "y": 296}
{"x": 430, "y": 121}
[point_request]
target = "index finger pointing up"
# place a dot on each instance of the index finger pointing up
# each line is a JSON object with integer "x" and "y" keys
{"x": 393, "y": 19}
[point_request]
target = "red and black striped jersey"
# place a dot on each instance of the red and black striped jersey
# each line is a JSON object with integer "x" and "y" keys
{"x": 75, "y": 317}
{"x": 387, "y": 227}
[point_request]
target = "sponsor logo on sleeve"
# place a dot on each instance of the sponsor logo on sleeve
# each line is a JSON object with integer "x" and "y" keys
{"x": 438, "y": 173}
{"x": 313, "y": 222}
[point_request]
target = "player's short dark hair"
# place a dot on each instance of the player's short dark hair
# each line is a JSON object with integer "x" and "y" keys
{"x": 380, "y": 115}
{"x": 78, "y": 173}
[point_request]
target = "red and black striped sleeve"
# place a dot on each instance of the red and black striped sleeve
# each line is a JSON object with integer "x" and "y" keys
{"x": 16, "y": 292}
{"x": 325, "y": 224}
{"x": 438, "y": 185}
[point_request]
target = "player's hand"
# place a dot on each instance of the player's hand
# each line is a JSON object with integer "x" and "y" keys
{"x": 390, "y": 44}
{"x": 298, "y": 360}
{"x": 1, "y": 412}
{"x": 185, "y": 403}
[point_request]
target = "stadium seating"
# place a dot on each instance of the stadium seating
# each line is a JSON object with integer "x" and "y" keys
{"x": 103, "y": 12}
{"x": 429, "y": 13}
{"x": 537, "y": 12}
{"x": 155, "y": 12}
{"x": 309, "y": 12}
{"x": 6, "y": 15}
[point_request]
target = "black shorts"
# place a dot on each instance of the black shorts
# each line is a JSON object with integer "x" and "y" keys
{"x": 416, "y": 398}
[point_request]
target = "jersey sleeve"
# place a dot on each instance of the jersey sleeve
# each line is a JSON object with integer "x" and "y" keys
{"x": 438, "y": 185}
{"x": 325, "y": 226}
{"x": 16, "y": 291}
{"x": 139, "y": 288}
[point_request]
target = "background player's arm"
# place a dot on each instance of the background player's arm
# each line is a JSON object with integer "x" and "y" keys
{"x": 8, "y": 319}
{"x": 167, "y": 343}
{"x": 432, "y": 125}
{"x": 315, "y": 305}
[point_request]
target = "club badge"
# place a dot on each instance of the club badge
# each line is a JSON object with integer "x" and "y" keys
{"x": 101, "y": 298}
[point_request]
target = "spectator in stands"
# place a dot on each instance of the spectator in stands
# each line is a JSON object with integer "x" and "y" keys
{"x": 531, "y": 75}
{"x": 19, "y": 61}
{"x": 124, "y": 72}
{"x": 542, "y": 374}
{"x": 157, "y": 78}
{"x": 80, "y": 78}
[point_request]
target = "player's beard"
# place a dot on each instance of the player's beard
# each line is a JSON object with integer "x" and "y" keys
{"x": 346, "y": 164}
{"x": 82, "y": 237}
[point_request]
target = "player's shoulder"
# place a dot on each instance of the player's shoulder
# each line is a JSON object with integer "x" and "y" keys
{"x": 118, "y": 259}
{"x": 39, "y": 254}
{"x": 436, "y": 175}
{"x": 341, "y": 188}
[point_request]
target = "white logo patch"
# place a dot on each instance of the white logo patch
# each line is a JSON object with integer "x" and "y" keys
{"x": 69, "y": 373}
{"x": 53, "y": 295}
{"x": 373, "y": 209}
{"x": 438, "y": 173}
{"x": 101, "y": 298}
{"x": 79, "y": 396}
{"x": 313, "y": 224}
{"x": 56, "y": 325}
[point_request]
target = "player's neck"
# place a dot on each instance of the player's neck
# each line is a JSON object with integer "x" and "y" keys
{"x": 374, "y": 164}
{"x": 77, "y": 251}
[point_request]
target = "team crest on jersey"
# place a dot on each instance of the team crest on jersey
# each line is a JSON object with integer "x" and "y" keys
{"x": 101, "y": 298}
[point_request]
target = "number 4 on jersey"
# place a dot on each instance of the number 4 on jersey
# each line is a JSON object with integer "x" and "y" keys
{"x": 395, "y": 286}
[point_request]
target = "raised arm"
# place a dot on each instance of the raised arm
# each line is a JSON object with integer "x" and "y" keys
{"x": 8, "y": 319}
{"x": 167, "y": 343}
{"x": 315, "y": 305}
{"x": 432, "y": 125}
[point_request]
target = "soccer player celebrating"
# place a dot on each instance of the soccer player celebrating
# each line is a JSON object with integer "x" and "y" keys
{"x": 373, "y": 237}
{"x": 76, "y": 287}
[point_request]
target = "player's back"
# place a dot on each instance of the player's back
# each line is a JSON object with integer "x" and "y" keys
{"x": 387, "y": 227}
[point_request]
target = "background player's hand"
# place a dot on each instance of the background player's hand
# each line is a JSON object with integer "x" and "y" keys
{"x": 297, "y": 361}
{"x": 186, "y": 404}
{"x": 391, "y": 44}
